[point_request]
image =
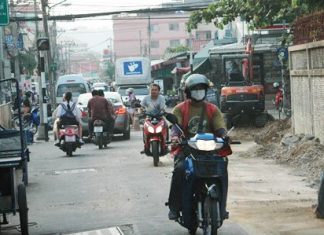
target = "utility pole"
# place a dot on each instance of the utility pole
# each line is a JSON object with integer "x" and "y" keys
{"x": 149, "y": 36}
{"x": 2, "y": 74}
{"x": 48, "y": 53}
{"x": 140, "y": 41}
{"x": 14, "y": 31}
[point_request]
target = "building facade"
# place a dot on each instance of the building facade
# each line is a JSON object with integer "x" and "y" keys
{"x": 143, "y": 35}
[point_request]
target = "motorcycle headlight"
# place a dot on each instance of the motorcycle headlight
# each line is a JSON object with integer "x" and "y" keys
{"x": 205, "y": 145}
{"x": 158, "y": 129}
{"x": 150, "y": 129}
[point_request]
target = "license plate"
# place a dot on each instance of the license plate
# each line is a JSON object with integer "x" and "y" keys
{"x": 70, "y": 138}
{"x": 98, "y": 129}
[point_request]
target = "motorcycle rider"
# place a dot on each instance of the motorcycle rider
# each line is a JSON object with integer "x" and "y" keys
{"x": 63, "y": 109}
{"x": 188, "y": 114}
{"x": 279, "y": 94}
{"x": 100, "y": 108}
{"x": 155, "y": 100}
{"x": 131, "y": 103}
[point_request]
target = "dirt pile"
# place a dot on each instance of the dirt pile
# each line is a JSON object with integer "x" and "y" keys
{"x": 303, "y": 152}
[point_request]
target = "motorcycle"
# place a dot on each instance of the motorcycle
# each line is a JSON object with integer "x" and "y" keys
{"x": 204, "y": 191}
{"x": 102, "y": 137}
{"x": 69, "y": 139}
{"x": 155, "y": 135}
{"x": 279, "y": 101}
{"x": 30, "y": 123}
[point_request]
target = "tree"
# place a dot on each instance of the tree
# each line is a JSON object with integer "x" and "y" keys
{"x": 180, "y": 48}
{"x": 110, "y": 70}
{"x": 258, "y": 13}
{"x": 27, "y": 62}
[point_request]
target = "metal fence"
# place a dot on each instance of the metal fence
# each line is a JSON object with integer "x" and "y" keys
{"x": 306, "y": 63}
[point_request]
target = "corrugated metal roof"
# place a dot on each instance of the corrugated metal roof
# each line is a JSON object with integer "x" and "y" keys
{"x": 239, "y": 47}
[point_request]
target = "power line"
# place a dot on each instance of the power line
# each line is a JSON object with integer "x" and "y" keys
{"x": 138, "y": 11}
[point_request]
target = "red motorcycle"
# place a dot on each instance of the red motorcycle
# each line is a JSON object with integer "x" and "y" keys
{"x": 155, "y": 135}
{"x": 278, "y": 102}
{"x": 69, "y": 139}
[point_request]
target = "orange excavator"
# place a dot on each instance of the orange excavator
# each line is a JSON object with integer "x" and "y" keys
{"x": 241, "y": 100}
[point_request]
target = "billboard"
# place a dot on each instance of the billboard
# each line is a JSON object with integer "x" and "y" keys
{"x": 133, "y": 68}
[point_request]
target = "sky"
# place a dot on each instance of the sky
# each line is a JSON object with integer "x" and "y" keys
{"x": 97, "y": 31}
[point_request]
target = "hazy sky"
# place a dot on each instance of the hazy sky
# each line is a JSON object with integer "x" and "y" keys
{"x": 93, "y": 31}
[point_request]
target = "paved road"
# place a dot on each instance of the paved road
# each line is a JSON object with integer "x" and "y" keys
{"x": 118, "y": 191}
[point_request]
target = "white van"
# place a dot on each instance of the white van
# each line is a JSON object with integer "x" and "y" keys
{"x": 74, "y": 83}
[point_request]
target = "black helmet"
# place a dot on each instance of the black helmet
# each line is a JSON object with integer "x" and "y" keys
{"x": 193, "y": 80}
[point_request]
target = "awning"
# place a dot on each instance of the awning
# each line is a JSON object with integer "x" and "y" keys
{"x": 203, "y": 67}
{"x": 182, "y": 70}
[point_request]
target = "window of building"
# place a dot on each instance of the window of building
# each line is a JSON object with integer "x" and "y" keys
{"x": 174, "y": 27}
{"x": 154, "y": 28}
{"x": 228, "y": 31}
{"x": 155, "y": 44}
{"x": 216, "y": 35}
{"x": 174, "y": 43}
{"x": 203, "y": 35}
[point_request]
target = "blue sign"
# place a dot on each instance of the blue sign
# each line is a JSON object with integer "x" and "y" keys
{"x": 133, "y": 68}
{"x": 282, "y": 53}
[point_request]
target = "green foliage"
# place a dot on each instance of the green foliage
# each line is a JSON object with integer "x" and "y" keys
{"x": 110, "y": 70}
{"x": 27, "y": 62}
{"x": 258, "y": 13}
{"x": 180, "y": 48}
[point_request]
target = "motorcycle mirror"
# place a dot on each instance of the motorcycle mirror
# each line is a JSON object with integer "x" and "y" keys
{"x": 171, "y": 118}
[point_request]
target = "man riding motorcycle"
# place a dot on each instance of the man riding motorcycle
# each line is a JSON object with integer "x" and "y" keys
{"x": 193, "y": 114}
{"x": 99, "y": 108}
{"x": 155, "y": 100}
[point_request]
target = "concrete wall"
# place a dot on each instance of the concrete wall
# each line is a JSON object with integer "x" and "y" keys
{"x": 5, "y": 115}
{"x": 306, "y": 63}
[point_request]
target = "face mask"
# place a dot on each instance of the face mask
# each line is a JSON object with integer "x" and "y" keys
{"x": 198, "y": 94}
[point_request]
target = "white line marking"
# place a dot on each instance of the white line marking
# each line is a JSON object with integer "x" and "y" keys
{"x": 107, "y": 231}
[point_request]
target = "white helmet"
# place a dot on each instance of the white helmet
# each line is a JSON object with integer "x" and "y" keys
{"x": 276, "y": 84}
{"x": 129, "y": 90}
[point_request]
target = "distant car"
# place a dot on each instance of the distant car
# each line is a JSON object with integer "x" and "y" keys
{"x": 101, "y": 86}
{"x": 140, "y": 91}
{"x": 122, "y": 121}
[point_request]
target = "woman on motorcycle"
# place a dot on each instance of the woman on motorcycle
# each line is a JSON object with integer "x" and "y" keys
{"x": 66, "y": 107}
{"x": 192, "y": 114}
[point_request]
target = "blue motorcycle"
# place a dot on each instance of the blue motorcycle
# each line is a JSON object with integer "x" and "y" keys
{"x": 204, "y": 190}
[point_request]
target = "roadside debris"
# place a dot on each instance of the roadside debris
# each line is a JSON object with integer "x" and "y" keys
{"x": 304, "y": 153}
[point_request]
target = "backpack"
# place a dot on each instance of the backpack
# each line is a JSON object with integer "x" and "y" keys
{"x": 68, "y": 118}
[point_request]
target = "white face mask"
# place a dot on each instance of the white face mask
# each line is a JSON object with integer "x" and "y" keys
{"x": 198, "y": 94}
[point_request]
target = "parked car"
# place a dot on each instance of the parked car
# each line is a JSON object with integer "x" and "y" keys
{"x": 122, "y": 122}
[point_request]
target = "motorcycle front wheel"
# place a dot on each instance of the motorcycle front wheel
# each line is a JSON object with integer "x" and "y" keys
{"x": 214, "y": 216}
{"x": 155, "y": 152}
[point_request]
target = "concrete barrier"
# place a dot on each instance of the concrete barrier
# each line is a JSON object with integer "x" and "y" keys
{"x": 307, "y": 88}
{"x": 5, "y": 115}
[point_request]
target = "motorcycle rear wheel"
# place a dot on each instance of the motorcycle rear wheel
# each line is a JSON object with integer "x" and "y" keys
{"x": 155, "y": 152}
{"x": 99, "y": 140}
{"x": 69, "y": 150}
